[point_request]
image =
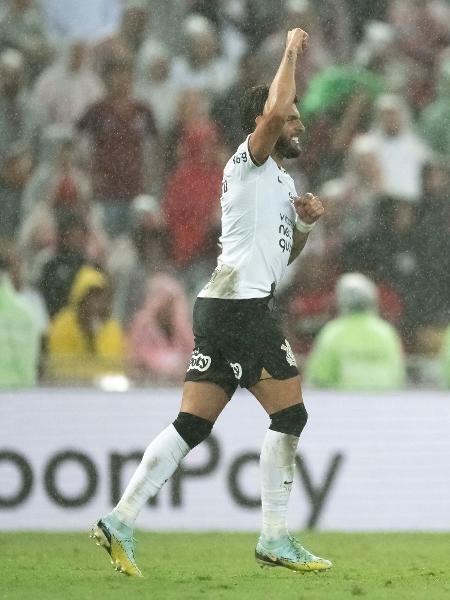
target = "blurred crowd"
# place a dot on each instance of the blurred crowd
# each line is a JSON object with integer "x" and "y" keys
{"x": 116, "y": 119}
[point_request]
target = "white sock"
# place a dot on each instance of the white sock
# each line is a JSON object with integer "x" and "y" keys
{"x": 158, "y": 464}
{"x": 277, "y": 465}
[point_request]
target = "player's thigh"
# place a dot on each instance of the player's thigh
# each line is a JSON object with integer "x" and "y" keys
{"x": 277, "y": 382}
{"x": 277, "y": 394}
{"x": 203, "y": 399}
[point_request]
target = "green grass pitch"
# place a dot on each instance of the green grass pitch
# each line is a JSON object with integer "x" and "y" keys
{"x": 214, "y": 566}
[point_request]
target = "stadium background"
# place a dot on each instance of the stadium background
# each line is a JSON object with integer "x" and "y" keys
{"x": 116, "y": 119}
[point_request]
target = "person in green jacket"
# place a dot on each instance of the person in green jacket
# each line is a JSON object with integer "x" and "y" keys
{"x": 358, "y": 350}
{"x": 19, "y": 336}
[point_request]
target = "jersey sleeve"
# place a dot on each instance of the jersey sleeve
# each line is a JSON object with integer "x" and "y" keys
{"x": 242, "y": 164}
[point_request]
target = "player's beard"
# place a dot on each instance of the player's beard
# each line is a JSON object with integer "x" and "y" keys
{"x": 286, "y": 148}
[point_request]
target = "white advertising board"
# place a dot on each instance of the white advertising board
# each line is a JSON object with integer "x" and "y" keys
{"x": 366, "y": 462}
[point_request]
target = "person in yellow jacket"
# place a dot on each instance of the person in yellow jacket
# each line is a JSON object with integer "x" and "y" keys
{"x": 84, "y": 342}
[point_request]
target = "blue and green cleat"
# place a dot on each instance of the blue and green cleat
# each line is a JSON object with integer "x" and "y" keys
{"x": 289, "y": 553}
{"x": 117, "y": 539}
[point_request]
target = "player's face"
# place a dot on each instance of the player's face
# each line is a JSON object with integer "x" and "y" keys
{"x": 288, "y": 144}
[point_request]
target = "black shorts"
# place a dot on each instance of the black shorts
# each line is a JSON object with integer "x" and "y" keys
{"x": 235, "y": 340}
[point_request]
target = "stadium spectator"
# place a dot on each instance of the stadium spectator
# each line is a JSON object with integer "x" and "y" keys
{"x": 58, "y": 184}
{"x": 330, "y": 235}
{"x": 390, "y": 253}
{"x": 232, "y": 41}
{"x": 18, "y": 118}
{"x": 400, "y": 153}
{"x": 134, "y": 260}
{"x": 65, "y": 89}
{"x": 88, "y": 20}
{"x": 408, "y": 72}
{"x": 160, "y": 338}
{"x": 352, "y": 199}
{"x": 433, "y": 243}
{"x": 59, "y": 272}
{"x": 380, "y": 52}
{"x": 202, "y": 66}
{"x": 134, "y": 23}
{"x": 256, "y": 20}
{"x": 120, "y": 130}
{"x": 156, "y": 85}
{"x": 15, "y": 170}
{"x": 56, "y": 187}
{"x": 19, "y": 334}
{"x": 337, "y": 106}
{"x": 336, "y": 22}
{"x": 435, "y": 119}
{"x": 363, "y": 174}
{"x": 28, "y": 293}
{"x": 309, "y": 299}
{"x": 37, "y": 240}
{"x": 192, "y": 110}
{"x": 22, "y": 28}
{"x": 358, "y": 350}
{"x": 423, "y": 28}
{"x": 84, "y": 342}
{"x": 363, "y": 11}
{"x": 191, "y": 203}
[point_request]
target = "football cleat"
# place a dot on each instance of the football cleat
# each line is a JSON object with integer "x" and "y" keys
{"x": 288, "y": 552}
{"x": 117, "y": 539}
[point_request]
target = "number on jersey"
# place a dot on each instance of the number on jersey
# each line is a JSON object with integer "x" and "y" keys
{"x": 241, "y": 156}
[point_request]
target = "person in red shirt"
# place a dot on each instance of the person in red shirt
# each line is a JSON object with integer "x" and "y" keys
{"x": 191, "y": 201}
{"x": 120, "y": 129}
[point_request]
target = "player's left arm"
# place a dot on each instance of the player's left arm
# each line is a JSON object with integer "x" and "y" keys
{"x": 309, "y": 209}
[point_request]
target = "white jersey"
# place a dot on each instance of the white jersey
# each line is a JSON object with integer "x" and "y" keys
{"x": 258, "y": 220}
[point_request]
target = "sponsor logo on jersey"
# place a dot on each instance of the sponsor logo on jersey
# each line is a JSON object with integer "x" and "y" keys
{"x": 289, "y": 354}
{"x": 199, "y": 362}
{"x": 237, "y": 370}
{"x": 286, "y": 228}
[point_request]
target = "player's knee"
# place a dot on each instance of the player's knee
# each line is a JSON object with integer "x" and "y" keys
{"x": 290, "y": 420}
{"x": 192, "y": 429}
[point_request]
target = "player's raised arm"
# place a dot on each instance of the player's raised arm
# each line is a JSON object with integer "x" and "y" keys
{"x": 280, "y": 99}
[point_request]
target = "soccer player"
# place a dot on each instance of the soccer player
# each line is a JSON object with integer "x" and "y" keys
{"x": 238, "y": 341}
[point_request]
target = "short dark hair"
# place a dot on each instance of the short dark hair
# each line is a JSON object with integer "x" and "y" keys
{"x": 251, "y": 105}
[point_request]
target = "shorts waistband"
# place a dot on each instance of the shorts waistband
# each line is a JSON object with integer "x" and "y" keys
{"x": 239, "y": 302}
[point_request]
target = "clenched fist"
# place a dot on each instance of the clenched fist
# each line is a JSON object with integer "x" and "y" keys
{"x": 297, "y": 40}
{"x": 309, "y": 208}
